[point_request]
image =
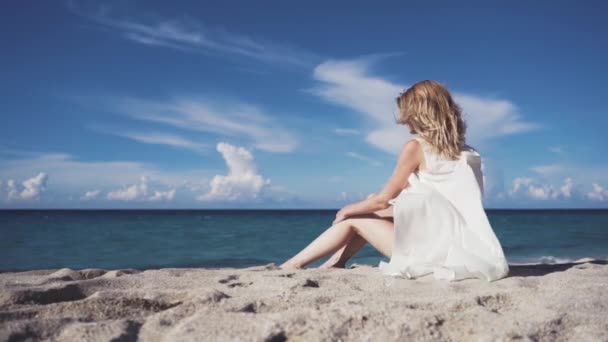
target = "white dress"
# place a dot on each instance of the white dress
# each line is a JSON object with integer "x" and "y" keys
{"x": 440, "y": 224}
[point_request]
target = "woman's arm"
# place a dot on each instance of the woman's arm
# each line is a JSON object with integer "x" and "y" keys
{"x": 409, "y": 159}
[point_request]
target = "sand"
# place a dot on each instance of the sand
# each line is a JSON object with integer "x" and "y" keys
{"x": 567, "y": 302}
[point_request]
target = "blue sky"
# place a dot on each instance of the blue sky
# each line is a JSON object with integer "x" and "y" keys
{"x": 142, "y": 104}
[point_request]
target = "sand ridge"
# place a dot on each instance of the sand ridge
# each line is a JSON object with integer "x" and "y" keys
{"x": 565, "y": 302}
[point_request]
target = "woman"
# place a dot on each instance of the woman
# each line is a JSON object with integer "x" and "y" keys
{"x": 438, "y": 224}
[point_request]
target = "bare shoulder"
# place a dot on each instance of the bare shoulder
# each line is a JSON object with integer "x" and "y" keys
{"x": 411, "y": 152}
{"x": 411, "y": 147}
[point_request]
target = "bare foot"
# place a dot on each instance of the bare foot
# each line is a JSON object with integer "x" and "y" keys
{"x": 289, "y": 266}
{"x": 330, "y": 264}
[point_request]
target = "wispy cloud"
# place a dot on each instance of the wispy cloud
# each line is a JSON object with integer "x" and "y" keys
{"x": 156, "y": 138}
{"x": 346, "y": 131}
{"x": 363, "y": 158}
{"x": 189, "y": 35}
{"x": 547, "y": 170}
{"x": 349, "y": 83}
{"x": 589, "y": 173}
{"x": 234, "y": 120}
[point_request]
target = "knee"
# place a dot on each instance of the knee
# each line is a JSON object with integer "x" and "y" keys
{"x": 346, "y": 223}
{"x": 352, "y": 223}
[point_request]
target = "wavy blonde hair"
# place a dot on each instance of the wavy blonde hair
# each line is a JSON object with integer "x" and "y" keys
{"x": 429, "y": 110}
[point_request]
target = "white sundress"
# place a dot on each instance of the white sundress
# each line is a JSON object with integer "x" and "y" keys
{"x": 440, "y": 224}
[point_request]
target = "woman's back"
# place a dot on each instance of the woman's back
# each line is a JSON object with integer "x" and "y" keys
{"x": 437, "y": 166}
{"x": 440, "y": 224}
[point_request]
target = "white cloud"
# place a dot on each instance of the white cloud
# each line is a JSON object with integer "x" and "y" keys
{"x": 346, "y": 131}
{"x": 556, "y": 149}
{"x": 348, "y": 83}
{"x": 242, "y": 181}
{"x": 140, "y": 192}
{"x": 489, "y": 118}
{"x": 236, "y": 120}
{"x": 567, "y": 188}
{"x": 587, "y": 173}
{"x": 132, "y": 192}
{"x": 351, "y": 197}
{"x": 90, "y": 195}
{"x": 34, "y": 186}
{"x": 141, "y": 183}
{"x": 11, "y": 190}
{"x": 525, "y": 187}
{"x": 547, "y": 170}
{"x": 163, "y": 195}
{"x": 28, "y": 190}
{"x": 597, "y": 193}
{"x": 363, "y": 158}
{"x": 191, "y": 36}
{"x": 71, "y": 175}
{"x": 157, "y": 138}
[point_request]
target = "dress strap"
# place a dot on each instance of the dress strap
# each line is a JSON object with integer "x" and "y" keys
{"x": 424, "y": 144}
{"x": 427, "y": 151}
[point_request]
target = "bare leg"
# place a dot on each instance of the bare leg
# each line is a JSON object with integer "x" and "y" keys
{"x": 378, "y": 232}
{"x": 339, "y": 258}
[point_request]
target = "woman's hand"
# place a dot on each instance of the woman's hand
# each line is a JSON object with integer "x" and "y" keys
{"x": 340, "y": 216}
{"x": 345, "y": 212}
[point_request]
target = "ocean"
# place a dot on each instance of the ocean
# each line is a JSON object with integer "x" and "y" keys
{"x": 143, "y": 239}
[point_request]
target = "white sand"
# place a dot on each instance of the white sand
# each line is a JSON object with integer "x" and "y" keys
{"x": 566, "y": 302}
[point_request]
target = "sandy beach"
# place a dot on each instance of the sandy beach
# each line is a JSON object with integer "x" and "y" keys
{"x": 565, "y": 302}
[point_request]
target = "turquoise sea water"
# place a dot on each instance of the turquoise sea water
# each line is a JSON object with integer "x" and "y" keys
{"x": 42, "y": 239}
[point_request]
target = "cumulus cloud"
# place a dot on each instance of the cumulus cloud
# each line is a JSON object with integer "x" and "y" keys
{"x": 163, "y": 195}
{"x": 235, "y": 120}
{"x": 29, "y": 190}
{"x": 243, "y": 182}
{"x": 349, "y": 83}
{"x": 140, "y": 192}
{"x": 71, "y": 174}
{"x": 527, "y": 187}
{"x": 597, "y": 193}
{"x": 90, "y": 195}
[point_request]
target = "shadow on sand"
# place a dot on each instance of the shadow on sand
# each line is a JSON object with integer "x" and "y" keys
{"x": 543, "y": 269}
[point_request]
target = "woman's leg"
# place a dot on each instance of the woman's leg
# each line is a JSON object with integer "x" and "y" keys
{"x": 378, "y": 232}
{"x": 354, "y": 245}
{"x": 339, "y": 259}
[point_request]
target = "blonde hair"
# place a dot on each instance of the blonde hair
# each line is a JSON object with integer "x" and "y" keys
{"x": 429, "y": 110}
